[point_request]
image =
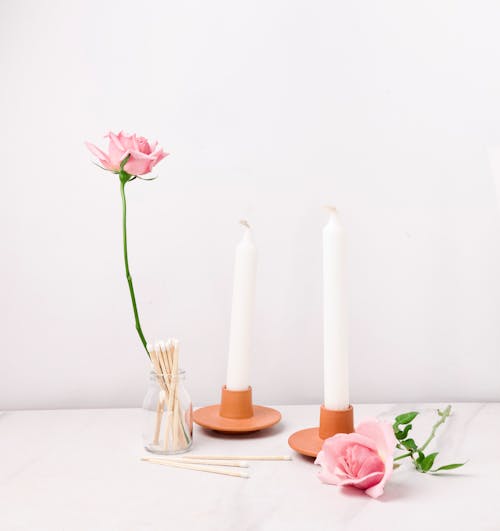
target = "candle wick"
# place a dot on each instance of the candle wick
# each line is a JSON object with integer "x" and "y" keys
{"x": 330, "y": 208}
{"x": 245, "y": 223}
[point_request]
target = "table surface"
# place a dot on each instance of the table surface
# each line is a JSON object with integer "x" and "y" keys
{"x": 81, "y": 470}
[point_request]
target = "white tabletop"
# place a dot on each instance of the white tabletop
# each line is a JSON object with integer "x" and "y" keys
{"x": 80, "y": 470}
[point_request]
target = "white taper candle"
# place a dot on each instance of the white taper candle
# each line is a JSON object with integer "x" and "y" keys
{"x": 240, "y": 340}
{"x": 336, "y": 372}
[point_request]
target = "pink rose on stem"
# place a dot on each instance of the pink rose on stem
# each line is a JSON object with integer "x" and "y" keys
{"x": 363, "y": 459}
{"x": 143, "y": 155}
{"x": 129, "y": 156}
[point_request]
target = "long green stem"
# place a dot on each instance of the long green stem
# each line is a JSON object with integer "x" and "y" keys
{"x": 444, "y": 415}
{"x": 127, "y": 270}
{"x": 402, "y": 456}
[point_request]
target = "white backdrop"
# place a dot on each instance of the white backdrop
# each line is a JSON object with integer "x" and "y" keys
{"x": 270, "y": 110}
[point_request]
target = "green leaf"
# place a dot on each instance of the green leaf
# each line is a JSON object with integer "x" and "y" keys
{"x": 419, "y": 460}
{"x": 406, "y": 418}
{"x": 147, "y": 178}
{"x": 409, "y": 444}
{"x": 448, "y": 467}
{"x": 103, "y": 168}
{"x": 400, "y": 435}
{"x": 428, "y": 461}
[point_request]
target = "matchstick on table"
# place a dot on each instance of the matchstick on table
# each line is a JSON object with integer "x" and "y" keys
{"x": 215, "y": 462}
{"x": 240, "y": 457}
{"x": 199, "y": 467}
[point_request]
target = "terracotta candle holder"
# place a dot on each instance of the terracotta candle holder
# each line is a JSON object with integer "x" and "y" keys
{"x": 236, "y": 413}
{"x": 331, "y": 421}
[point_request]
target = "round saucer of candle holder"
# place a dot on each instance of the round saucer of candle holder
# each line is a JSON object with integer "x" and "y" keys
{"x": 236, "y": 414}
{"x": 331, "y": 421}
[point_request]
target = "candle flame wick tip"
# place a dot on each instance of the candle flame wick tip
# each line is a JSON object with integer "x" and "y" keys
{"x": 245, "y": 223}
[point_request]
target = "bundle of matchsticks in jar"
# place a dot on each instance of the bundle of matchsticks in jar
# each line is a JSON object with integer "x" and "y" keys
{"x": 167, "y": 402}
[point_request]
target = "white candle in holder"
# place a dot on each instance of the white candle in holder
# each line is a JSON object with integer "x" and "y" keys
{"x": 245, "y": 267}
{"x": 336, "y": 371}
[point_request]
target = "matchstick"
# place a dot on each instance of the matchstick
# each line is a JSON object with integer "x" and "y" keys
{"x": 165, "y": 360}
{"x": 175, "y": 423}
{"x": 171, "y": 394}
{"x": 216, "y": 462}
{"x": 175, "y": 378}
{"x": 160, "y": 405}
{"x": 166, "y": 369}
{"x": 201, "y": 468}
{"x": 242, "y": 457}
{"x": 179, "y": 424}
{"x": 159, "y": 415}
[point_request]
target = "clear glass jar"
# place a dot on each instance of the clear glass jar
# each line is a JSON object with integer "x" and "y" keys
{"x": 168, "y": 414}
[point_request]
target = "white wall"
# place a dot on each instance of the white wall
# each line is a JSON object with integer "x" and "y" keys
{"x": 270, "y": 110}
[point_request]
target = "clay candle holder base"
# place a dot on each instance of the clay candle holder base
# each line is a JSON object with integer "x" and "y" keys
{"x": 309, "y": 442}
{"x": 236, "y": 414}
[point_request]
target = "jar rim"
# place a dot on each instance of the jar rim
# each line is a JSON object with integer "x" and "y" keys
{"x": 180, "y": 372}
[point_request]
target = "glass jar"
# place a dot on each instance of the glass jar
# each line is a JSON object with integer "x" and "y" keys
{"x": 168, "y": 414}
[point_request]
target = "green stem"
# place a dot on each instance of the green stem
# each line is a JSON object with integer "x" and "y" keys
{"x": 403, "y": 456}
{"x": 127, "y": 270}
{"x": 444, "y": 415}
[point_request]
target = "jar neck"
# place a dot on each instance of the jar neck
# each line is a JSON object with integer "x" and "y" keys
{"x": 179, "y": 376}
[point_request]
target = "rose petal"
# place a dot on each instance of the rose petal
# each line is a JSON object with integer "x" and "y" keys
{"x": 330, "y": 477}
{"x": 376, "y": 490}
{"x": 103, "y": 158}
{"x": 135, "y": 145}
{"x": 365, "y": 482}
{"x": 360, "y": 456}
{"x": 371, "y": 464}
{"x": 117, "y": 152}
{"x": 143, "y": 145}
{"x": 381, "y": 433}
{"x": 127, "y": 141}
{"x": 159, "y": 155}
{"x": 139, "y": 163}
{"x": 336, "y": 445}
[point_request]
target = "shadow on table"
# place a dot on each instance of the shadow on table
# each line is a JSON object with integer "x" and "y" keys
{"x": 274, "y": 430}
{"x": 391, "y": 493}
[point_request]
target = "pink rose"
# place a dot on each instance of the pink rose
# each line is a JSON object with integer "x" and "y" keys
{"x": 362, "y": 459}
{"x": 143, "y": 155}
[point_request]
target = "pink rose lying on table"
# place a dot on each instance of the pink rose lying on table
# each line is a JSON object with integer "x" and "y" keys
{"x": 363, "y": 459}
{"x": 143, "y": 156}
